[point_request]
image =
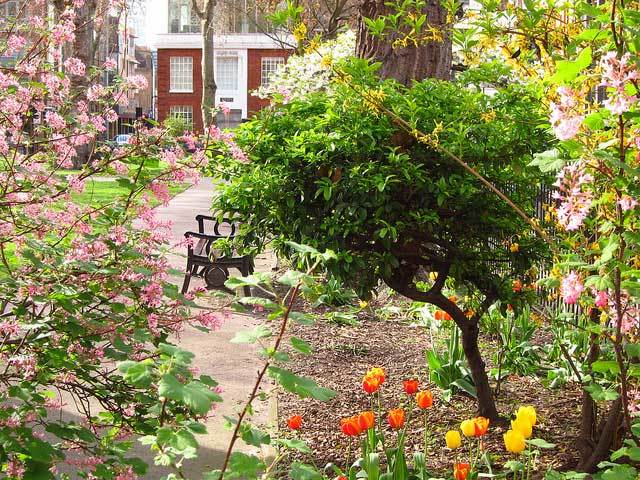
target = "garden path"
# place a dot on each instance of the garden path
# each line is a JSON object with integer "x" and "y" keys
{"x": 233, "y": 365}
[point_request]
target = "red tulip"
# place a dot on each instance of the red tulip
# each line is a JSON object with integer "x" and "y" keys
{"x": 350, "y": 426}
{"x": 410, "y": 386}
{"x": 294, "y": 422}
{"x": 370, "y": 384}
{"x": 396, "y": 418}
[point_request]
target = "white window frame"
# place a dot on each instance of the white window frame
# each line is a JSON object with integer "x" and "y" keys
{"x": 268, "y": 66}
{"x": 184, "y": 112}
{"x": 181, "y": 75}
{"x": 221, "y": 82}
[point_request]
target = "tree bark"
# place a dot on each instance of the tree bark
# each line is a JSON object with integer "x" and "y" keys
{"x": 83, "y": 48}
{"x": 207, "y": 102}
{"x": 208, "y": 80}
{"x": 606, "y": 438}
{"x": 406, "y": 63}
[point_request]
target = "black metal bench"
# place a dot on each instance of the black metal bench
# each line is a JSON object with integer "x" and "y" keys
{"x": 207, "y": 264}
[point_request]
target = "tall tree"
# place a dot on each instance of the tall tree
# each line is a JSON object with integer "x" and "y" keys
{"x": 206, "y": 15}
{"x": 407, "y": 54}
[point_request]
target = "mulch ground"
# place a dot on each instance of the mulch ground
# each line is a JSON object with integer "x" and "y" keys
{"x": 341, "y": 356}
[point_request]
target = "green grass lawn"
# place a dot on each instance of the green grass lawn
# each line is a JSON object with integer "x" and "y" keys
{"x": 97, "y": 193}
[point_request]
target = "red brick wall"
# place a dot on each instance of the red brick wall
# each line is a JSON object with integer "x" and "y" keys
{"x": 166, "y": 99}
{"x": 254, "y": 74}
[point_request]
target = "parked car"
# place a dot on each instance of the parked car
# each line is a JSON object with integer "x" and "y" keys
{"x": 122, "y": 139}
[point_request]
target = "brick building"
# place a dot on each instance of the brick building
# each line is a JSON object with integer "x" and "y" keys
{"x": 244, "y": 59}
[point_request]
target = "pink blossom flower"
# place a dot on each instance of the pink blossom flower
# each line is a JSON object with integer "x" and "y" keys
{"x": 616, "y": 75}
{"x": 209, "y": 320}
{"x": 602, "y": 299}
{"x": 55, "y": 121}
{"x": 564, "y": 119}
{"x": 15, "y": 43}
{"x": 571, "y": 288}
{"x": 224, "y": 108}
{"x": 575, "y": 200}
{"x": 152, "y": 294}
{"x": 627, "y": 203}
{"x": 15, "y": 468}
{"x": 74, "y": 66}
{"x": 109, "y": 64}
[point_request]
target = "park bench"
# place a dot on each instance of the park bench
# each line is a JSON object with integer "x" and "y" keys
{"x": 205, "y": 261}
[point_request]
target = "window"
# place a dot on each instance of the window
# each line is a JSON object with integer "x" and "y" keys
{"x": 8, "y": 9}
{"x": 182, "y": 112}
{"x": 269, "y": 66}
{"x": 181, "y": 18}
{"x": 181, "y": 74}
{"x": 227, "y": 72}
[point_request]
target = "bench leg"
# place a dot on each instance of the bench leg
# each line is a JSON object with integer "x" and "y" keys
{"x": 187, "y": 277}
{"x": 247, "y": 269}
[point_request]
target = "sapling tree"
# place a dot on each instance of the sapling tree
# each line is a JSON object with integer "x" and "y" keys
{"x": 333, "y": 171}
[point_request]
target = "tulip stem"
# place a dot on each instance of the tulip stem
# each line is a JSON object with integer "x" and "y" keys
{"x": 426, "y": 435}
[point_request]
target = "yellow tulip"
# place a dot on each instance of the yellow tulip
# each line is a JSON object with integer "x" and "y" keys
{"x": 523, "y": 426}
{"x": 468, "y": 427}
{"x": 527, "y": 413}
{"x": 514, "y": 441}
{"x": 453, "y": 439}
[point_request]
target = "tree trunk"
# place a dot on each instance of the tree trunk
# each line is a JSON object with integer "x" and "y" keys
{"x": 83, "y": 49}
{"x": 208, "y": 79}
{"x": 406, "y": 63}
{"x": 607, "y": 434}
{"x": 470, "y": 331}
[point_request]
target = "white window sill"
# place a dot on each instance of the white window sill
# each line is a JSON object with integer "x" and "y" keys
{"x": 180, "y": 91}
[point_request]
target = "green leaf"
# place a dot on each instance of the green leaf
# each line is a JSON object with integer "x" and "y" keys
{"x": 303, "y": 387}
{"x": 244, "y": 466}
{"x": 548, "y": 161}
{"x": 256, "y": 438}
{"x": 294, "y": 444}
{"x": 300, "y": 345}
{"x": 195, "y": 394}
{"x": 568, "y": 70}
{"x": 620, "y": 472}
{"x": 606, "y": 366}
{"x": 291, "y": 278}
{"x": 599, "y": 394}
{"x": 252, "y": 336}
{"x": 302, "y": 318}
{"x": 540, "y": 443}
{"x": 302, "y": 471}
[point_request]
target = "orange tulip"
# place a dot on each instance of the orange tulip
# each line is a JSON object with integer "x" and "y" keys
{"x": 294, "y": 422}
{"x": 370, "y": 384}
{"x": 410, "y": 386}
{"x": 424, "y": 399}
{"x": 396, "y": 418}
{"x": 461, "y": 471}
{"x": 517, "y": 286}
{"x": 366, "y": 420}
{"x": 481, "y": 425}
{"x": 350, "y": 426}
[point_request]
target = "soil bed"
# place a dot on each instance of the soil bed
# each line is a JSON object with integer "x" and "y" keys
{"x": 341, "y": 356}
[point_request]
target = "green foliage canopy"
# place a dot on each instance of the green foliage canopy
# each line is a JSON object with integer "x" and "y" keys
{"x": 333, "y": 171}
